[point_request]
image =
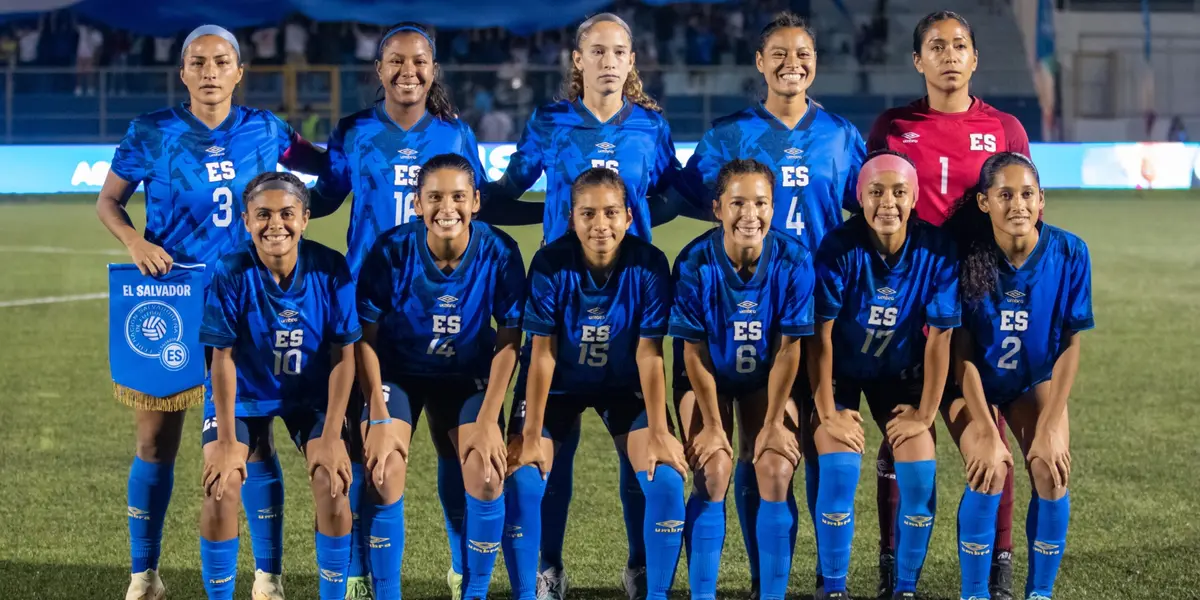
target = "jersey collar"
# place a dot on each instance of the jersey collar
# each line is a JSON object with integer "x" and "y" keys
{"x": 976, "y": 106}
{"x": 732, "y": 279}
{"x": 386, "y": 119}
{"x": 589, "y": 281}
{"x": 1034, "y": 257}
{"x": 431, "y": 269}
{"x": 272, "y": 287}
{"x": 806, "y": 121}
{"x": 590, "y": 120}
{"x": 184, "y": 113}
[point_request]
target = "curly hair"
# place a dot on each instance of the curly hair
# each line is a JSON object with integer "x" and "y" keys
{"x": 437, "y": 100}
{"x": 633, "y": 90}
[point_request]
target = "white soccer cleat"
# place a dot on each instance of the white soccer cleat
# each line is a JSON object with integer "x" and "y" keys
{"x": 552, "y": 584}
{"x": 455, "y": 581}
{"x": 267, "y": 586}
{"x": 146, "y": 586}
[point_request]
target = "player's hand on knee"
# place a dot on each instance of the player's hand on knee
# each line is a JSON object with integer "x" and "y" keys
{"x": 330, "y": 454}
{"x": 664, "y": 448}
{"x": 906, "y": 423}
{"x": 486, "y": 439}
{"x": 776, "y": 437}
{"x": 225, "y": 468}
{"x": 381, "y": 442}
{"x": 845, "y": 426}
{"x": 1050, "y": 446}
{"x": 708, "y": 443}
{"x": 989, "y": 461}
{"x": 528, "y": 450}
{"x": 149, "y": 258}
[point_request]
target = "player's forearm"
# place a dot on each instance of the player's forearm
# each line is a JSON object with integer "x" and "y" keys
{"x": 369, "y": 376}
{"x": 116, "y": 219}
{"x": 782, "y": 377}
{"x": 224, "y": 383}
{"x": 936, "y": 368}
{"x": 537, "y": 389}
{"x": 341, "y": 380}
{"x": 820, "y": 352}
{"x": 654, "y": 382}
{"x": 508, "y": 340}
{"x": 972, "y": 389}
{"x": 704, "y": 384}
{"x": 1061, "y": 381}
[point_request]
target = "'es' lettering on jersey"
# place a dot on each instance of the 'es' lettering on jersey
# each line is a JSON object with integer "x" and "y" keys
{"x": 983, "y": 142}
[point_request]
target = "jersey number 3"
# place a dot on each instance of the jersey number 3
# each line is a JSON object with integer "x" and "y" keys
{"x": 223, "y": 196}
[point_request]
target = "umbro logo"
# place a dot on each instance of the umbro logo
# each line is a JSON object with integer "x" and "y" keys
{"x": 910, "y": 137}
{"x": 137, "y": 513}
{"x": 332, "y": 576}
{"x": 379, "y": 542}
{"x": 976, "y": 549}
{"x": 483, "y": 547}
{"x": 595, "y": 313}
{"x": 1045, "y": 548}
{"x": 606, "y": 147}
{"x": 747, "y": 304}
{"x": 836, "y": 519}
{"x": 214, "y": 150}
{"x": 447, "y": 299}
{"x": 1015, "y": 294}
{"x": 918, "y": 520}
{"x": 408, "y": 153}
{"x": 288, "y": 316}
{"x": 793, "y": 152}
{"x": 886, "y": 291}
{"x": 671, "y": 526}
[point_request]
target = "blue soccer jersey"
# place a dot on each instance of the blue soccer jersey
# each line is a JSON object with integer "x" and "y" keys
{"x": 564, "y": 139}
{"x": 433, "y": 323}
{"x": 1020, "y": 329}
{"x": 598, "y": 326}
{"x": 880, "y": 311}
{"x": 372, "y": 156}
{"x": 738, "y": 319}
{"x": 194, "y": 176}
{"x": 281, "y": 338}
{"x": 816, "y": 166}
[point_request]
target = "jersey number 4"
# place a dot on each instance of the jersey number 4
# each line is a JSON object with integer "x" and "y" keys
{"x": 795, "y": 177}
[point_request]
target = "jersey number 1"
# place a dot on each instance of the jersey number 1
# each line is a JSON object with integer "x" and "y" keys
{"x": 945, "y": 162}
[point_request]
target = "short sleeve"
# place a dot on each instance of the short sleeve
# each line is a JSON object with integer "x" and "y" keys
{"x": 222, "y": 310}
{"x": 343, "y": 327}
{"x": 687, "y": 313}
{"x": 666, "y": 163}
{"x": 944, "y": 310}
{"x": 1079, "y": 291}
{"x": 526, "y": 164}
{"x": 830, "y": 288}
{"x": 796, "y": 310}
{"x": 698, "y": 180}
{"x": 1015, "y": 138}
{"x": 470, "y": 151}
{"x": 334, "y": 182}
{"x": 376, "y": 284}
{"x": 541, "y": 305}
{"x": 656, "y": 297}
{"x": 130, "y": 161}
{"x": 508, "y": 298}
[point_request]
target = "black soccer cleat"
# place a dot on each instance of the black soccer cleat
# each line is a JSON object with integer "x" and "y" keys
{"x": 887, "y": 576}
{"x": 1000, "y": 583}
{"x": 904, "y": 596}
{"x": 837, "y": 596}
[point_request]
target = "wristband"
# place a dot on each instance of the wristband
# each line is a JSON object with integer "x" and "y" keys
{"x": 380, "y": 421}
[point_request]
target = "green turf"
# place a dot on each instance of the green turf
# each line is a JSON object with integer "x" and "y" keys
{"x": 65, "y": 445}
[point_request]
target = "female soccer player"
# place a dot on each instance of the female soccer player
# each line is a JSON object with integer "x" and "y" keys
{"x": 815, "y": 156}
{"x": 881, "y": 278}
{"x": 743, "y": 299}
{"x": 1026, "y": 289}
{"x": 605, "y": 120}
{"x": 195, "y": 160}
{"x": 427, "y": 295}
{"x": 597, "y": 311}
{"x": 280, "y": 319}
{"x": 947, "y": 134}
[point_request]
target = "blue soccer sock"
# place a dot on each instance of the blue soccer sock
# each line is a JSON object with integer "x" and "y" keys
{"x": 704, "y": 536}
{"x": 483, "y": 531}
{"x": 1047, "y": 542}
{"x": 918, "y": 500}
{"x": 358, "y": 542}
{"x": 386, "y": 530}
{"x": 523, "y": 492}
{"x": 333, "y": 558}
{"x": 633, "y": 508}
{"x": 662, "y": 528}
{"x": 218, "y": 567}
{"x": 149, "y": 493}
{"x": 262, "y": 497}
{"x": 976, "y": 533}
{"x": 556, "y": 502}
{"x": 775, "y": 522}
{"x": 812, "y": 480}
{"x": 454, "y": 506}
{"x": 835, "y": 515}
{"x": 746, "y": 499}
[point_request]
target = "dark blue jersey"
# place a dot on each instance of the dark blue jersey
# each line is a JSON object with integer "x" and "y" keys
{"x": 598, "y": 326}
{"x": 880, "y": 311}
{"x": 564, "y": 139}
{"x": 372, "y": 156}
{"x": 740, "y": 320}
{"x": 281, "y": 338}
{"x": 816, "y": 166}
{"x": 1020, "y": 329}
{"x": 434, "y": 324}
{"x": 194, "y": 176}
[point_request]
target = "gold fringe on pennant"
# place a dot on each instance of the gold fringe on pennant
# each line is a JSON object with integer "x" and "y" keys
{"x": 173, "y": 403}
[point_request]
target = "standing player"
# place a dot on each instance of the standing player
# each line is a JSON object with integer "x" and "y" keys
{"x": 1026, "y": 289}
{"x": 948, "y": 134}
{"x": 815, "y": 156}
{"x": 195, "y": 160}
{"x": 743, "y": 299}
{"x": 427, "y": 295}
{"x": 605, "y": 120}
{"x": 596, "y": 314}
{"x": 881, "y": 278}
{"x": 280, "y": 320}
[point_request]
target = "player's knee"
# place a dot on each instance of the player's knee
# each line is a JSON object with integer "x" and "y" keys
{"x": 715, "y": 475}
{"x": 480, "y": 479}
{"x": 996, "y": 484}
{"x": 774, "y": 473}
{"x": 665, "y": 488}
{"x": 394, "y": 474}
{"x": 322, "y": 483}
{"x": 1043, "y": 477}
{"x": 156, "y": 446}
{"x": 227, "y": 506}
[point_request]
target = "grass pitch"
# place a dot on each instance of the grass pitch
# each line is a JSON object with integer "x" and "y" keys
{"x": 65, "y": 445}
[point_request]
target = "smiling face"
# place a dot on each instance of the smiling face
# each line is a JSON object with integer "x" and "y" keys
{"x": 210, "y": 70}
{"x": 1014, "y": 201}
{"x": 788, "y": 61}
{"x": 275, "y": 220}
{"x": 947, "y": 58}
{"x": 887, "y": 202}
{"x": 745, "y": 210}
{"x": 447, "y": 201}
{"x": 605, "y": 58}
{"x": 406, "y": 68}
{"x": 600, "y": 219}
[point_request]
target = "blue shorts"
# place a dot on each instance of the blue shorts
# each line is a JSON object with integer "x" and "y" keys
{"x": 304, "y": 424}
{"x": 450, "y": 402}
{"x": 883, "y": 395}
{"x": 622, "y": 411}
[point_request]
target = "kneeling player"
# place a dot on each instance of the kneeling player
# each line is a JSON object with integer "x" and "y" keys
{"x": 743, "y": 299}
{"x": 427, "y": 294}
{"x": 1026, "y": 289}
{"x": 881, "y": 278}
{"x": 597, "y": 311}
{"x": 281, "y": 322}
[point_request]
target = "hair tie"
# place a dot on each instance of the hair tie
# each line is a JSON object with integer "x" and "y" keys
{"x": 216, "y": 30}
{"x": 886, "y": 162}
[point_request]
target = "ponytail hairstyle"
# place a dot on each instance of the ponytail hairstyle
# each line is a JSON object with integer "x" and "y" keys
{"x": 741, "y": 166}
{"x": 447, "y": 161}
{"x": 599, "y": 177}
{"x": 573, "y": 84}
{"x": 437, "y": 100}
{"x": 979, "y": 256}
{"x": 785, "y": 20}
{"x": 276, "y": 180}
{"x": 928, "y": 21}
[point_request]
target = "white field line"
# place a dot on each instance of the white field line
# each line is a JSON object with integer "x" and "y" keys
{"x": 57, "y": 250}
{"x": 52, "y": 300}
